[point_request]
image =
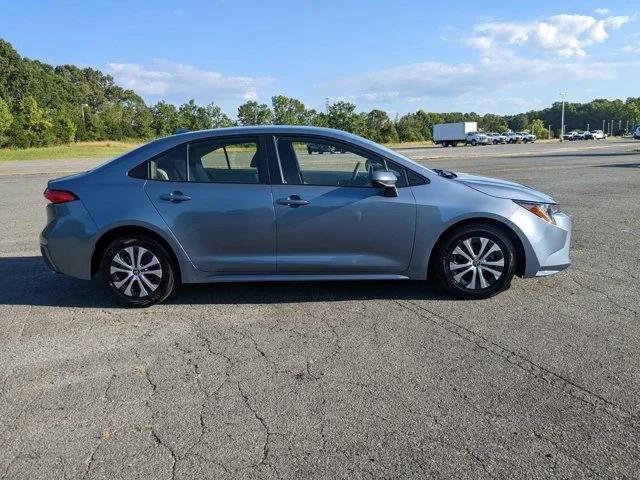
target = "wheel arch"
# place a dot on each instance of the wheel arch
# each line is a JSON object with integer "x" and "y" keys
{"x": 521, "y": 260}
{"x": 130, "y": 230}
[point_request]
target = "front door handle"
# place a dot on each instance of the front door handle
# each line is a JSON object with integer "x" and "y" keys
{"x": 292, "y": 201}
{"x": 175, "y": 197}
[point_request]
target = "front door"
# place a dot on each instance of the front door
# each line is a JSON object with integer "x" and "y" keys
{"x": 214, "y": 197}
{"x": 329, "y": 217}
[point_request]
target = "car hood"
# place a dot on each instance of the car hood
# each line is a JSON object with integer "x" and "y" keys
{"x": 502, "y": 188}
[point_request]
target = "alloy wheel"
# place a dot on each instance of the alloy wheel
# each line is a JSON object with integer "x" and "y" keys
{"x": 476, "y": 263}
{"x": 135, "y": 271}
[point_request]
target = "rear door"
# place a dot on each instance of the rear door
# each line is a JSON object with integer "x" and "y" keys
{"x": 329, "y": 217}
{"x": 215, "y": 197}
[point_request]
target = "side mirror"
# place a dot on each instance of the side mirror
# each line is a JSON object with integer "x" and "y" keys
{"x": 386, "y": 180}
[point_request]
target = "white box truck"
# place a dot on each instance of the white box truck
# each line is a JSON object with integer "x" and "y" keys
{"x": 450, "y": 134}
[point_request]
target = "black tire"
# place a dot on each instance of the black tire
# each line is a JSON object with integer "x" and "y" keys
{"x": 473, "y": 143}
{"x": 444, "y": 256}
{"x": 165, "y": 281}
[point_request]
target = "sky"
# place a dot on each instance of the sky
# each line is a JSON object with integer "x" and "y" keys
{"x": 400, "y": 56}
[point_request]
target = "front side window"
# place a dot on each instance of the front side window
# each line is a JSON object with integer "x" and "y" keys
{"x": 327, "y": 163}
{"x": 224, "y": 161}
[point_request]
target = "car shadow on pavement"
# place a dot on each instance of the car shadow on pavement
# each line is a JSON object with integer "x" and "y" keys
{"x": 620, "y": 165}
{"x": 28, "y": 281}
{"x": 582, "y": 154}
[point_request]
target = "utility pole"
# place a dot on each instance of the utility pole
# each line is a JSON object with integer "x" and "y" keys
{"x": 588, "y": 127}
{"x": 562, "y": 118}
{"x": 603, "y": 130}
{"x": 549, "y": 136}
{"x": 326, "y": 105}
{"x": 611, "y": 127}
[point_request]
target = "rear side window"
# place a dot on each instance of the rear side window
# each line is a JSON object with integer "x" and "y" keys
{"x": 225, "y": 161}
{"x": 170, "y": 166}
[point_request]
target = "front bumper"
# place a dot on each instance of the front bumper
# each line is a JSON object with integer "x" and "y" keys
{"x": 547, "y": 247}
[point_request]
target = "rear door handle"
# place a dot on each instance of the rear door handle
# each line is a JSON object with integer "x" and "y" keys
{"x": 175, "y": 197}
{"x": 292, "y": 201}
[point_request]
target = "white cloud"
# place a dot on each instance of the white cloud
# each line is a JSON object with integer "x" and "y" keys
{"x": 489, "y": 77}
{"x": 602, "y": 11}
{"x": 178, "y": 82}
{"x": 565, "y": 35}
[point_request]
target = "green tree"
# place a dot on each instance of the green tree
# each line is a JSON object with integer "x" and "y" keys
{"x": 317, "y": 119}
{"x": 493, "y": 123}
{"x": 538, "y": 129}
{"x": 288, "y": 111}
{"x": 216, "y": 118}
{"x": 342, "y": 116}
{"x": 164, "y": 119}
{"x": 36, "y": 124}
{"x": 6, "y": 119}
{"x": 64, "y": 130}
{"x": 188, "y": 116}
{"x": 380, "y": 127}
{"x": 253, "y": 113}
{"x": 410, "y": 128}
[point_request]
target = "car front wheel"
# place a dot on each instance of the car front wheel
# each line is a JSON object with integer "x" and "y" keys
{"x": 475, "y": 262}
{"x": 138, "y": 271}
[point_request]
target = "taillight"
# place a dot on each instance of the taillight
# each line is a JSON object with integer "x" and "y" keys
{"x": 59, "y": 196}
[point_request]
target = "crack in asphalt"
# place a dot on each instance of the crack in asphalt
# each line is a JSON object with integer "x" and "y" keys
{"x": 265, "y": 447}
{"x": 154, "y": 434}
{"x": 557, "y": 381}
{"x": 567, "y": 454}
{"x": 605, "y": 294}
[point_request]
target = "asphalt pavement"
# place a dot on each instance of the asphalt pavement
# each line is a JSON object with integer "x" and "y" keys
{"x": 335, "y": 380}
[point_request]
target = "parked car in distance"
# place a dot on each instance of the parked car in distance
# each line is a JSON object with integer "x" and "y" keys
{"x": 450, "y": 134}
{"x": 587, "y": 135}
{"x": 636, "y": 132}
{"x": 319, "y": 148}
{"x": 476, "y": 138}
{"x": 513, "y": 137}
{"x": 248, "y": 204}
{"x": 527, "y": 137}
{"x": 572, "y": 136}
{"x": 497, "y": 138}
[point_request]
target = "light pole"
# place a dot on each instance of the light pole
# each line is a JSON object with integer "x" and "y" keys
{"x": 82, "y": 110}
{"x": 549, "y": 135}
{"x": 562, "y": 118}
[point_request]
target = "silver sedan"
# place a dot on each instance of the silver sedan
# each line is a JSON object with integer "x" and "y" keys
{"x": 256, "y": 204}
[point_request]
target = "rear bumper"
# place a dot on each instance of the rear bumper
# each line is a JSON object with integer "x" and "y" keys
{"x": 66, "y": 243}
{"x": 46, "y": 256}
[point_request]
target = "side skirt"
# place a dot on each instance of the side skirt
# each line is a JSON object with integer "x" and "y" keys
{"x": 298, "y": 278}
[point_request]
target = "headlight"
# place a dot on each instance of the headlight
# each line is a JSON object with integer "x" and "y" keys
{"x": 545, "y": 211}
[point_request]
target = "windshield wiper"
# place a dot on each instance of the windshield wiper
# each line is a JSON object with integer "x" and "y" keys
{"x": 445, "y": 173}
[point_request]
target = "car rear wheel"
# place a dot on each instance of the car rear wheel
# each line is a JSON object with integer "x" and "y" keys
{"x": 475, "y": 262}
{"x": 138, "y": 271}
{"x": 474, "y": 143}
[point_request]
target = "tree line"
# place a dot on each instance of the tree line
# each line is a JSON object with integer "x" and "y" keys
{"x": 44, "y": 105}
